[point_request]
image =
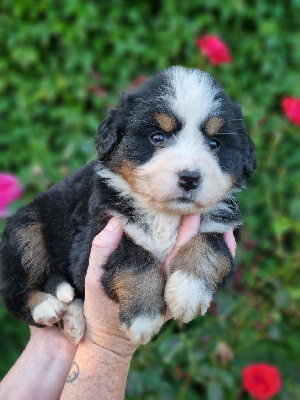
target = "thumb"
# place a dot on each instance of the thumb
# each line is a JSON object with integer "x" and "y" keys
{"x": 103, "y": 246}
{"x": 189, "y": 228}
{"x": 230, "y": 241}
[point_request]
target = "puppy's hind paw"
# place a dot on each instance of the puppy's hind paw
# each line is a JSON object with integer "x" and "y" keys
{"x": 142, "y": 328}
{"x": 187, "y": 296}
{"x": 72, "y": 323}
{"x": 65, "y": 292}
{"x": 48, "y": 309}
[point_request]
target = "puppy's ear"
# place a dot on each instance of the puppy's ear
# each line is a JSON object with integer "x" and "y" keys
{"x": 110, "y": 130}
{"x": 106, "y": 136}
{"x": 249, "y": 159}
{"x": 247, "y": 146}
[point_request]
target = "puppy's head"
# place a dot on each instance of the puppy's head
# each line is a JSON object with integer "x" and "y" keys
{"x": 176, "y": 143}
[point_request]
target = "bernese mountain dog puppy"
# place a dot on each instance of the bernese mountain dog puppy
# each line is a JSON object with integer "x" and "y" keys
{"x": 175, "y": 145}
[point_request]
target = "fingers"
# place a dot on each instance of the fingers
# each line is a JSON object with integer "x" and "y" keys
{"x": 103, "y": 246}
{"x": 189, "y": 228}
{"x": 230, "y": 241}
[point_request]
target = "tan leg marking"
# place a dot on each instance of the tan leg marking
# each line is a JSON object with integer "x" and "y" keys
{"x": 199, "y": 259}
{"x": 196, "y": 272}
{"x": 36, "y": 298}
{"x": 150, "y": 281}
{"x": 35, "y": 258}
{"x": 145, "y": 291}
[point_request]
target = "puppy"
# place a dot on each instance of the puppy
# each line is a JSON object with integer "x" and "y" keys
{"x": 175, "y": 145}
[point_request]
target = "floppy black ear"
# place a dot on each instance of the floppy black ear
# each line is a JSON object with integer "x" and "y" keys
{"x": 247, "y": 146}
{"x": 249, "y": 159}
{"x": 110, "y": 130}
{"x": 107, "y": 134}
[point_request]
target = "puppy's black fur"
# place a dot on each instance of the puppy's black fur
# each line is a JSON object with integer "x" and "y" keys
{"x": 175, "y": 145}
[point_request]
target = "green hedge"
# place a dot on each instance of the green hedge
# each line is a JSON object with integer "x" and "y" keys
{"x": 55, "y": 58}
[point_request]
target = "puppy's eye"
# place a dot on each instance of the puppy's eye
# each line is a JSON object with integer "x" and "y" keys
{"x": 158, "y": 138}
{"x": 214, "y": 144}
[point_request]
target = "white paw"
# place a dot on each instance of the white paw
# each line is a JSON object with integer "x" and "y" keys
{"x": 143, "y": 328}
{"x": 74, "y": 322}
{"x": 65, "y": 292}
{"x": 49, "y": 311}
{"x": 186, "y": 296}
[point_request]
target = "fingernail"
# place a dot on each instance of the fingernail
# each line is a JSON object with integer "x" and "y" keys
{"x": 113, "y": 225}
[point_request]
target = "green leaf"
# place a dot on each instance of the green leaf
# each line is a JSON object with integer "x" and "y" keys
{"x": 214, "y": 391}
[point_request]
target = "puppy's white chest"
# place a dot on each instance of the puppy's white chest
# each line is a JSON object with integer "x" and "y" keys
{"x": 155, "y": 233}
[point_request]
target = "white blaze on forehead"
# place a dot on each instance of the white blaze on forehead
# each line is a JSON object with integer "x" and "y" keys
{"x": 193, "y": 97}
{"x": 192, "y": 100}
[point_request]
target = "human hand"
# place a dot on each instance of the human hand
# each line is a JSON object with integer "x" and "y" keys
{"x": 101, "y": 313}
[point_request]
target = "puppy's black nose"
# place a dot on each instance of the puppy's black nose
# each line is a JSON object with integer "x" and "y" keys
{"x": 188, "y": 180}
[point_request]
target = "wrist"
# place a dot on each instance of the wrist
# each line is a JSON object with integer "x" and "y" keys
{"x": 42, "y": 369}
{"x": 51, "y": 343}
{"x": 116, "y": 344}
{"x": 98, "y": 367}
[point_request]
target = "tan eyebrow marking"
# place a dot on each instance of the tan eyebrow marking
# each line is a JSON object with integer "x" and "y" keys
{"x": 166, "y": 122}
{"x": 213, "y": 125}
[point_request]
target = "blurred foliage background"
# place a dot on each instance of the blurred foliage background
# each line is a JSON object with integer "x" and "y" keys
{"x": 63, "y": 64}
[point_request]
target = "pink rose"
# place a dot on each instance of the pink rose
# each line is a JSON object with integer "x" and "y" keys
{"x": 291, "y": 107}
{"x": 215, "y": 49}
{"x": 10, "y": 190}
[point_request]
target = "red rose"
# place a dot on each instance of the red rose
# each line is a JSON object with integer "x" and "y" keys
{"x": 262, "y": 381}
{"x": 291, "y": 108}
{"x": 10, "y": 190}
{"x": 214, "y": 49}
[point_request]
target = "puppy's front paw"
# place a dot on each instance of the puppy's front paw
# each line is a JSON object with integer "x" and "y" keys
{"x": 48, "y": 309}
{"x": 72, "y": 323}
{"x": 142, "y": 328}
{"x": 187, "y": 296}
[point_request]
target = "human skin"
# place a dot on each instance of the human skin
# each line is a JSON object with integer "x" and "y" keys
{"x": 42, "y": 369}
{"x": 100, "y": 363}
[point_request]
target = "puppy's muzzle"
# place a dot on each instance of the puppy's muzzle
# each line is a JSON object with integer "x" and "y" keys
{"x": 189, "y": 180}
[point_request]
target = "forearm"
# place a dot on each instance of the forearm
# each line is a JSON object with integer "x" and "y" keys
{"x": 97, "y": 373}
{"x": 42, "y": 369}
